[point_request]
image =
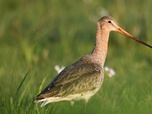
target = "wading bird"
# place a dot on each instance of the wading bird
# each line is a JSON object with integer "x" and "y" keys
{"x": 82, "y": 79}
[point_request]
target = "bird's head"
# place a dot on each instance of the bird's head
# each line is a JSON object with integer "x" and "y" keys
{"x": 108, "y": 23}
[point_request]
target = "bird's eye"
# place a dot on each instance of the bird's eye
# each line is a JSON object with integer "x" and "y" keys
{"x": 109, "y": 21}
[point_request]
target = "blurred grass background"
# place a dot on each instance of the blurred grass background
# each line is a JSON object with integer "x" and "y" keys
{"x": 37, "y": 35}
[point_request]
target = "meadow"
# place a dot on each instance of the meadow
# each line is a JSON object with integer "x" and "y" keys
{"x": 37, "y": 35}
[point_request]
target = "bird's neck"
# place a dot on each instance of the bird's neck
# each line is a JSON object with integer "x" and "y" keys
{"x": 101, "y": 46}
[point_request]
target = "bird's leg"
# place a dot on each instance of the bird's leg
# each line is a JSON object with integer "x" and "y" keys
{"x": 85, "y": 108}
{"x": 72, "y": 103}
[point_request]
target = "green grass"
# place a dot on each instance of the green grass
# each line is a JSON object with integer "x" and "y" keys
{"x": 38, "y": 35}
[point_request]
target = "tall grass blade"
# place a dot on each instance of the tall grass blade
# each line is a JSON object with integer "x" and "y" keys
{"x": 18, "y": 89}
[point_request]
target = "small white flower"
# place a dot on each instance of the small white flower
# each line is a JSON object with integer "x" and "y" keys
{"x": 100, "y": 11}
{"x": 106, "y": 68}
{"x": 110, "y": 71}
{"x": 58, "y": 68}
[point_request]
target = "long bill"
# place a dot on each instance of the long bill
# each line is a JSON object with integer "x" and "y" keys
{"x": 120, "y": 30}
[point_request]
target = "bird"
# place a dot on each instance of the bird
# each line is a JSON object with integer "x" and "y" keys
{"x": 83, "y": 79}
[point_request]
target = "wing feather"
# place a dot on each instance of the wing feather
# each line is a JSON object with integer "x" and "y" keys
{"x": 74, "y": 78}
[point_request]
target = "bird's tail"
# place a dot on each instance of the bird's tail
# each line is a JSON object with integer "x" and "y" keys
{"x": 44, "y": 102}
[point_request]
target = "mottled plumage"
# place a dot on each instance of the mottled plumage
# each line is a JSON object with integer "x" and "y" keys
{"x": 83, "y": 79}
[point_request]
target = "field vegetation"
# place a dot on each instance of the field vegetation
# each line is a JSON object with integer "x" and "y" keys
{"x": 37, "y": 35}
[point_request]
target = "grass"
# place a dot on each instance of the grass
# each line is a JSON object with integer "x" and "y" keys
{"x": 38, "y": 35}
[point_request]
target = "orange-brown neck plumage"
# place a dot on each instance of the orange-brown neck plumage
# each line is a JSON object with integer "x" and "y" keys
{"x": 101, "y": 46}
